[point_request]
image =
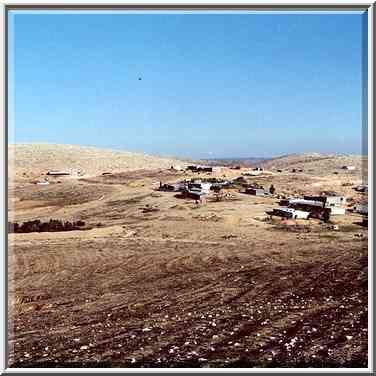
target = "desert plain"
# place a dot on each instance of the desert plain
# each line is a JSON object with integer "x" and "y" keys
{"x": 153, "y": 280}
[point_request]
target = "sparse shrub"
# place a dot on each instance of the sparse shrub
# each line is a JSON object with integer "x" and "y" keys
{"x": 38, "y": 226}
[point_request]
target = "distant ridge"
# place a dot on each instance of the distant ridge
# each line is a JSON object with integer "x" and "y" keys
{"x": 245, "y": 162}
{"x": 317, "y": 162}
{"x": 313, "y": 161}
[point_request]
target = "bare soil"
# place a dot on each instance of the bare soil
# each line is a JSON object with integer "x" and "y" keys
{"x": 214, "y": 285}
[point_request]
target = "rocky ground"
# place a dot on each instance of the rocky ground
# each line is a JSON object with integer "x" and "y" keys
{"x": 185, "y": 285}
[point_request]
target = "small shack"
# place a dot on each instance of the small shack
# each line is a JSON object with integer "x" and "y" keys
{"x": 219, "y": 185}
{"x": 198, "y": 186}
{"x": 58, "y": 173}
{"x": 328, "y": 200}
{"x": 348, "y": 168}
{"x": 361, "y": 209}
{"x": 253, "y": 173}
{"x": 289, "y": 213}
{"x": 195, "y": 195}
{"x": 168, "y": 188}
{"x": 301, "y": 202}
{"x": 195, "y": 168}
{"x": 315, "y": 208}
{"x": 362, "y": 188}
{"x": 255, "y": 191}
{"x": 176, "y": 168}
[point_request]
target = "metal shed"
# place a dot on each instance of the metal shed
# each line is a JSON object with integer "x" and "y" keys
{"x": 255, "y": 191}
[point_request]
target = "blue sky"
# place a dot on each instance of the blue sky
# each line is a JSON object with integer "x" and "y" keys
{"x": 212, "y": 85}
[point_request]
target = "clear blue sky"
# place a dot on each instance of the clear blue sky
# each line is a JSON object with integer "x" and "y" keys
{"x": 212, "y": 85}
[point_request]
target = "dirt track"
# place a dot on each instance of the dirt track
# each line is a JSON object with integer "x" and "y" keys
{"x": 185, "y": 286}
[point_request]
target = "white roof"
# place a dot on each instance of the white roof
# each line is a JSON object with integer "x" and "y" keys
{"x": 305, "y": 202}
{"x": 197, "y": 192}
{"x": 283, "y": 208}
{"x": 290, "y": 210}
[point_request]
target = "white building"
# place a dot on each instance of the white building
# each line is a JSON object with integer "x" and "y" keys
{"x": 334, "y": 203}
{"x": 252, "y": 173}
{"x": 348, "y": 168}
{"x": 291, "y": 213}
{"x": 337, "y": 210}
{"x": 361, "y": 208}
{"x": 198, "y": 186}
{"x": 328, "y": 201}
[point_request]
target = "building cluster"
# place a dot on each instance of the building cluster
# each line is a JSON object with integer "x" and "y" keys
{"x": 194, "y": 189}
{"x": 320, "y": 207}
{"x": 196, "y": 168}
{"x": 254, "y": 172}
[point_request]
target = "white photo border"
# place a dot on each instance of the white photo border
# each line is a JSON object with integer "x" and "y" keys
{"x": 196, "y": 6}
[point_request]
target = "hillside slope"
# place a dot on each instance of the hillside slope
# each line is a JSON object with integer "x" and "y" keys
{"x": 318, "y": 163}
{"x": 36, "y": 159}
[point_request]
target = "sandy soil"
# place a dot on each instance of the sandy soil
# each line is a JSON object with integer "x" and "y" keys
{"x": 214, "y": 285}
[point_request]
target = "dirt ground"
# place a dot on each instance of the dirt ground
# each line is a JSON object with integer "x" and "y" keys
{"x": 186, "y": 285}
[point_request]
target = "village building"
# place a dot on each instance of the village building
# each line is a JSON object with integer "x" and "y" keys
{"x": 362, "y": 188}
{"x": 255, "y": 191}
{"x": 316, "y": 205}
{"x": 176, "y": 187}
{"x": 198, "y": 186}
{"x": 328, "y": 200}
{"x": 348, "y": 168}
{"x": 195, "y": 195}
{"x": 168, "y": 187}
{"x": 195, "y": 168}
{"x": 58, "y": 173}
{"x": 361, "y": 209}
{"x": 301, "y": 202}
{"x": 253, "y": 173}
{"x": 289, "y": 213}
{"x": 176, "y": 168}
{"x": 219, "y": 185}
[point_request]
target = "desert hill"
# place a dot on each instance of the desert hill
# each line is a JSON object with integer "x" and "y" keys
{"x": 317, "y": 163}
{"x": 35, "y": 159}
{"x": 309, "y": 162}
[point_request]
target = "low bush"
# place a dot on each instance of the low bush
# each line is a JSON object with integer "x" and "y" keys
{"x": 38, "y": 226}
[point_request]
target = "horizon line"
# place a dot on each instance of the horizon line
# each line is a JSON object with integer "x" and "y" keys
{"x": 208, "y": 158}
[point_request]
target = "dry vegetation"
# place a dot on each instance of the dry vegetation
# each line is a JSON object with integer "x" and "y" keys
{"x": 217, "y": 285}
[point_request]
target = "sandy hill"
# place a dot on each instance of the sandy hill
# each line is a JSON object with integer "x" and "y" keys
{"x": 34, "y": 159}
{"x": 317, "y": 163}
